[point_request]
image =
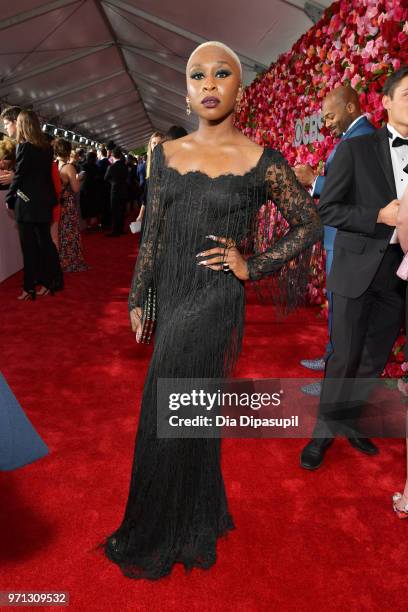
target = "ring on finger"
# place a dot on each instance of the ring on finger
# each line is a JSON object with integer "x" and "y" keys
{"x": 225, "y": 267}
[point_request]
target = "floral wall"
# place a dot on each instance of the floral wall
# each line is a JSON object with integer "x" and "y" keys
{"x": 357, "y": 42}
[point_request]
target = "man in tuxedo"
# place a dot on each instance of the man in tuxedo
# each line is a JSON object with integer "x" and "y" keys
{"x": 342, "y": 115}
{"x": 103, "y": 164}
{"x": 361, "y": 198}
{"x": 117, "y": 175}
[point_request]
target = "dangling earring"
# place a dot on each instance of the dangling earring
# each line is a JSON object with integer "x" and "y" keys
{"x": 238, "y": 100}
{"x": 188, "y": 109}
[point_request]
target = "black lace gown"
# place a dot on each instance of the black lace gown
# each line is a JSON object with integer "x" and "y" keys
{"x": 177, "y": 505}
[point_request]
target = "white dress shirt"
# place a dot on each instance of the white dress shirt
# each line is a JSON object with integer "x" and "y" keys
{"x": 399, "y": 158}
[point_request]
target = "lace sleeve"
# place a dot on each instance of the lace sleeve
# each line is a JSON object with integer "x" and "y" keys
{"x": 285, "y": 233}
{"x": 148, "y": 251}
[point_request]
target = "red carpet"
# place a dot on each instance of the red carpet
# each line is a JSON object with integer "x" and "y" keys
{"x": 303, "y": 541}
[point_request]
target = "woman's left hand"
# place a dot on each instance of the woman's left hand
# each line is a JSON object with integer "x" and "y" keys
{"x": 228, "y": 255}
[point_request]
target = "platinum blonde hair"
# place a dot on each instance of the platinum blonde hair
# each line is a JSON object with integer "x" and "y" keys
{"x": 228, "y": 50}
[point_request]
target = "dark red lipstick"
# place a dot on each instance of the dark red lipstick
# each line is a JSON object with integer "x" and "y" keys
{"x": 210, "y": 102}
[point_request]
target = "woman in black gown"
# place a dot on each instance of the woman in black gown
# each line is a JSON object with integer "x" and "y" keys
{"x": 206, "y": 195}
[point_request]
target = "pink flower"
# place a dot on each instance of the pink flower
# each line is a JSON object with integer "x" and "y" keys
{"x": 404, "y": 366}
{"x": 402, "y": 38}
{"x": 362, "y": 24}
{"x": 372, "y": 30}
{"x": 371, "y": 11}
{"x": 379, "y": 43}
{"x": 369, "y": 50}
{"x": 351, "y": 39}
{"x": 396, "y": 63}
{"x": 355, "y": 80}
{"x": 383, "y": 17}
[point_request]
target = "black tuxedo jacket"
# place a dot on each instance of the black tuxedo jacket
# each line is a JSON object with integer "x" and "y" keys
{"x": 359, "y": 182}
{"x": 117, "y": 175}
{"x": 32, "y": 179}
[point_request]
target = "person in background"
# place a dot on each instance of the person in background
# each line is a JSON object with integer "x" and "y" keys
{"x": 90, "y": 191}
{"x": 154, "y": 140}
{"x": 361, "y": 198}
{"x": 110, "y": 146}
{"x": 396, "y": 104}
{"x": 342, "y": 115}
{"x": 50, "y": 138}
{"x": 74, "y": 160}
{"x": 117, "y": 176}
{"x": 56, "y": 211}
{"x": 80, "y": 157}
{"x": 133, "y": 181}
{"x": 176, "y": 131}
{"x": 141, "y": 180}
{"x": 70, "y": 247}
{"x": 7, "y": 152}
{"x": 103, "y": 164}
{"x": 7, "y": 160}
{"x": 20, "y": 443}
{"x": 32, "y": 197}
{"x": 400, "y": 500}
{"x": 9, "y": 117}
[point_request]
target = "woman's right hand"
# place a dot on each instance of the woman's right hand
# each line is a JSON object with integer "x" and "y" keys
{"x": 6, "y": 177}
{"x": 136, "y": 322}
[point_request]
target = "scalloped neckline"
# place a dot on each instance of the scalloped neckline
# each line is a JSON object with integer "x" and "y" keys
{"x": 211, "y": 178}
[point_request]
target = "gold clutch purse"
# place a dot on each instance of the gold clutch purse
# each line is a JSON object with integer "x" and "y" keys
{"x": 148, "y": 317}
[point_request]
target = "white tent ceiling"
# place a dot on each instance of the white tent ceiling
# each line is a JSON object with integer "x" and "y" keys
{"x": 114, "y": 69}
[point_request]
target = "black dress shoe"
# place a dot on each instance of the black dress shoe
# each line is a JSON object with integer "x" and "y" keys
{"x": 313, "y": 454}
{"x": 57, "y": 285}
{"x": 364, "y": 445}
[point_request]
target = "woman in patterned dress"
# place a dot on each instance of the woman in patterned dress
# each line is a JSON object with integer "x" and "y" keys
{"x": 70, "y": 247}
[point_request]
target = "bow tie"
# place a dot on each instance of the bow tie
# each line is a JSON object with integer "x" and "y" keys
{"x": 398, "y": 141}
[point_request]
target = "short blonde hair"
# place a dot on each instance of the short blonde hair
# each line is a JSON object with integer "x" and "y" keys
{"x": 8, "y": 150}
{"x": 228, "y": 50}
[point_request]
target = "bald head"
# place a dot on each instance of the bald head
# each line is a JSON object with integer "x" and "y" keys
{"x": 340, "y": 108}
{"x": 345, "y": 95}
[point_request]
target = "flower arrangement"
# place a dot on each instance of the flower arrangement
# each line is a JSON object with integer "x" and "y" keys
{"x": 396, "y": 367}
{"x": 356, "y": 42}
